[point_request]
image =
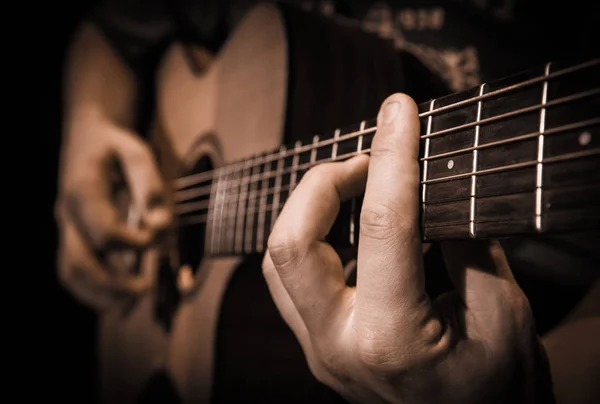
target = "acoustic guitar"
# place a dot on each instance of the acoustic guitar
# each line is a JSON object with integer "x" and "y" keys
{"x": 517, "y": 156}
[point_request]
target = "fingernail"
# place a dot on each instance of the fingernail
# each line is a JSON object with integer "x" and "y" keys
{"x": 389, "y": 112}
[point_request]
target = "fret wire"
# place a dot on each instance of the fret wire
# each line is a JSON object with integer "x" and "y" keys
{"x": 183, "y": 208}
{"x": 295, "y": 161}
{"x": 216, "y": 210}
{"x": 516, "y": 86}
{"x": 482, "y": 121}
{"x": 540, "y": 157}
{"x": 365, "y": 151}
{"x": 179, "y": 182}
{"x": 547, "y": 160}
{"x": 251, "y": 210}
{"x": 425, "y": 163}
{"x": 552, "y": 131}
{"x": 261, "y": 210}
{"x": 353, "y": 202}
{"x": 242, "y": 206}
{"x": 209, "y": 243}
{"x": 229, "y": 198}
{"x": 352, "y": 215}
{"x": 195, "y": 178}
{"x": 491, "y": 119}
{"x": 227, "y": 193}
{"x": 192, "y": 206}
{"x": 360, "y": 137}
{"x": 277, "y": 191}
{"x": 474, "y": 176}
{"x": 313, "y": 151}
{"x": 468, "y": 125}
{"x": 223, "y": 178}
{"x": 200, "y": 219}
{"x": 233, "y": 207}
{"x": 268, "y": 208}
{"x": 334, "y": 147}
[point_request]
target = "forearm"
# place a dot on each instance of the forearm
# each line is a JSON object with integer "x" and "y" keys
{"x": 97, "y": 84}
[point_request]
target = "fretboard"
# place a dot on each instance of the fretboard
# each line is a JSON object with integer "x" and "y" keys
{"x": 516, "y": 156}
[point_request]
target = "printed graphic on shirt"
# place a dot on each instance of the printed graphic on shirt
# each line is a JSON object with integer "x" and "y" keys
{"x": 457, "y": 65}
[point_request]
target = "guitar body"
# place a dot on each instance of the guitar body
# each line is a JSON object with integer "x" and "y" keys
{"x": 273, "y": 76}
{"x": 235, "y": 108}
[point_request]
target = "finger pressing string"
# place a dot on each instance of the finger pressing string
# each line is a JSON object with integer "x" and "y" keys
{"x": 390, "y": 274}
{"x": 311, "y": 270}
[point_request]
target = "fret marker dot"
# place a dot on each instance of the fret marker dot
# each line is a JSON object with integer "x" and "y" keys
{"x": 585, "y": 138}
{"x": 450, "y": 164}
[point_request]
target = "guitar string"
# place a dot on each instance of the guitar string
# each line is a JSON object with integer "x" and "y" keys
{"x": 182, "y": 196}
{"x": 274, "y": 155}
{"x": 246, "y": 181}
{"x": 271, "y": 156}
{"x": 238, "y": 167}
{"x": 244, "y": 187}
{"x": 495, "y": 170}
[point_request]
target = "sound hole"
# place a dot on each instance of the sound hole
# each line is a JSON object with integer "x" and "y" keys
{"x": 192, "y": 209}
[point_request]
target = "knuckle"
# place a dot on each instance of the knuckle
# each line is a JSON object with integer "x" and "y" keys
{"x": 318, "y": 173}
{"x": 375, "y": 221}
{"x": 140, "y": 157}
{"x": 139, "y": 153}
{"x": 380, "y": 222}
{"x": 285, "y": 251}
{"x": 381, "y": 148}
{"x": 379, "y": 358}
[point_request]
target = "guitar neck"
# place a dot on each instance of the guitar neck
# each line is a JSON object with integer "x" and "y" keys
{"x": 516, "y": 156}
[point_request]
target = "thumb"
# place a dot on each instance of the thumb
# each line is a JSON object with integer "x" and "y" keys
{"x": 146, "y": 186}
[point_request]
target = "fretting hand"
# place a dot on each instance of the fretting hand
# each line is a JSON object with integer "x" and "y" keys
{"x": 385, "y": 340}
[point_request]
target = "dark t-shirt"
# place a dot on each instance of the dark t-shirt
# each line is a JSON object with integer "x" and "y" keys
{"x": 442, "y": 47}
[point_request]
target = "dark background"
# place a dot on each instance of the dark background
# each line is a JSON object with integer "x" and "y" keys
{"x": 63, "y": 330}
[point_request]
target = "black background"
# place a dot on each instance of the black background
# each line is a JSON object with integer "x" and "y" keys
{"x": 62, "y": 330}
